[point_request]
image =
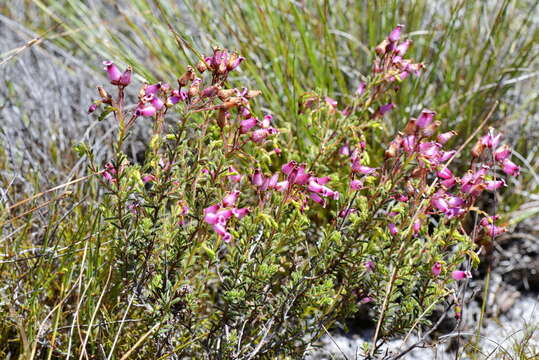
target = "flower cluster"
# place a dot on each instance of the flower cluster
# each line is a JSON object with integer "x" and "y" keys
{"x": 390, "y": 59}
{"x": 218, "y": 215}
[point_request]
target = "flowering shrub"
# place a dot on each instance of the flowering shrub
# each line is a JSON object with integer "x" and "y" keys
{"x": 235, "y": 237}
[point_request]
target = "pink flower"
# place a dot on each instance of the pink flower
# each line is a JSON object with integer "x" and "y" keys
{"x": 493, "y": 185}
{"x": 445, "y": 173}
{"x": 369, "y": 265}
{"x": 152, "y": 89}
{"x": 444, "y": 137}
{"x": 316, "y": 198}
{"x": 259, "y": 135}
{"x": 408, "y": 143}
{"x": 366, "y": 300}
{"x": 362, "y": 169}
{"x": 157, "y": 103}
{"x": 356, "y": 185}
{"x": 288, "y": 167}
{"x": 299, "y": 176}
{"x": 247, "y": 124}
{"x": 323, "y": 180}
{"x": 436, "y": 268}
{"x": 230, "y": 199}
{"x": 258, "y": 178}
{"x": 346, "y": 212}
{"x": 113, "y": 73}
{"x": 331, "y": 102}
{"x": 460, "y": 275}
{"x": 446, "y": 155}
{"x": 403, "y": 47}
{"x": 265, "y": 123}
{"x": 425, "y": 119}
{"x": 361, "y": 88}
{"x": 344, "y": 150}
{"x": 439, "y": 203}
{"x": 221, "y": 231}
{"x": 146, "y": 110}
{"x": 240, "y": 213}
{"x": 510, "y": 168}
{"x": 395, "y": 34}
{"x": 430, "y": 150}
{"x": 234, "y": 175}
{"x": 416, "y": 226}
{"x": 490, "y": 141}
{"x": 382, "y": 110}
{"x": 393, "y": 229}
{"x": 502, "y": 153}
{"x": 125, "y": 79}
{"x": 92, "y": 108}
{"x": 148, "y": 178}
{"x": 281, "y": 186}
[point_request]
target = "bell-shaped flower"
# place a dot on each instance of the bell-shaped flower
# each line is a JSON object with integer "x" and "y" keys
{"x": 510, "y": 168}
{"x": 502, "y": 153}
{"x": 460, "y": 275}
{"x": 425, "y": 119}
{"x": 113, "y": 73}
{"x": 230, "y": 199}
{"x": 436, "y": 268}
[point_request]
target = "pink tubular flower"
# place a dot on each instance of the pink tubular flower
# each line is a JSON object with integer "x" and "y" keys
{"x": 395, "y": 34}
{"x": 157, "y": 103}
{"x": 361, "y": 88}
{"x": 408, "y": 143}
{"x": 425, "y": 119}
{"x": 356, "y": 185}
{"x": 445, "y": 173}
{"x": 221, "y": 231}
{"x": 460, "y": 275}
{"x": 369, "y": 265}
{"x": 281, "y": 186}
{"x": 344, "y": 150}
{"x": 439, "y": 203}
{"x": 444, "y": 137}
{"x": 331, "y": 102}
{"x": 510, "y": 168}
{"x": 416, "y": 226}
{"x": 403, "y": 47}
{"x": 382, "y": 110}
{"x": 493, "y": 185}
{"x": 147, "y": 110}
{"x": 393, "y": 229}
{"x": 113, "y": 73}
{"x": 316, "y": 198}
{"x": 230, "y": 199}
{"x": 148, "y": 178}
{"x": 490, "y": 141}
{"x": 259, "y": 135}
{"x": 362, "y": 169}
{"x": 92, "y": 108}
{"x": 240, "y": 213}
{"x": 430, "y": 150}
{"x": 152, "y": 89}
{"x": 125, "y": 79}
{"x": 502, "y": 153}
{"x": 346, "y": 212}
{"x": 446, "y": 155}
{"x": 248, "y": 124}
{"x": 258, "y": 178}
{"x": 299, "y": 176}
{"x": 436, "y": 268}
{"x": 234, "y": 175}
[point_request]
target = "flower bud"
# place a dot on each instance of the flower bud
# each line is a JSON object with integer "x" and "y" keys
{"x": 395, "y": 34}
{"x": 187, "y": 77}
{"x": 125, "y": 79}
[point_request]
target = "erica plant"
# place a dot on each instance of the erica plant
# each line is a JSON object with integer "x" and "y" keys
{"x": 238, "y": 238}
